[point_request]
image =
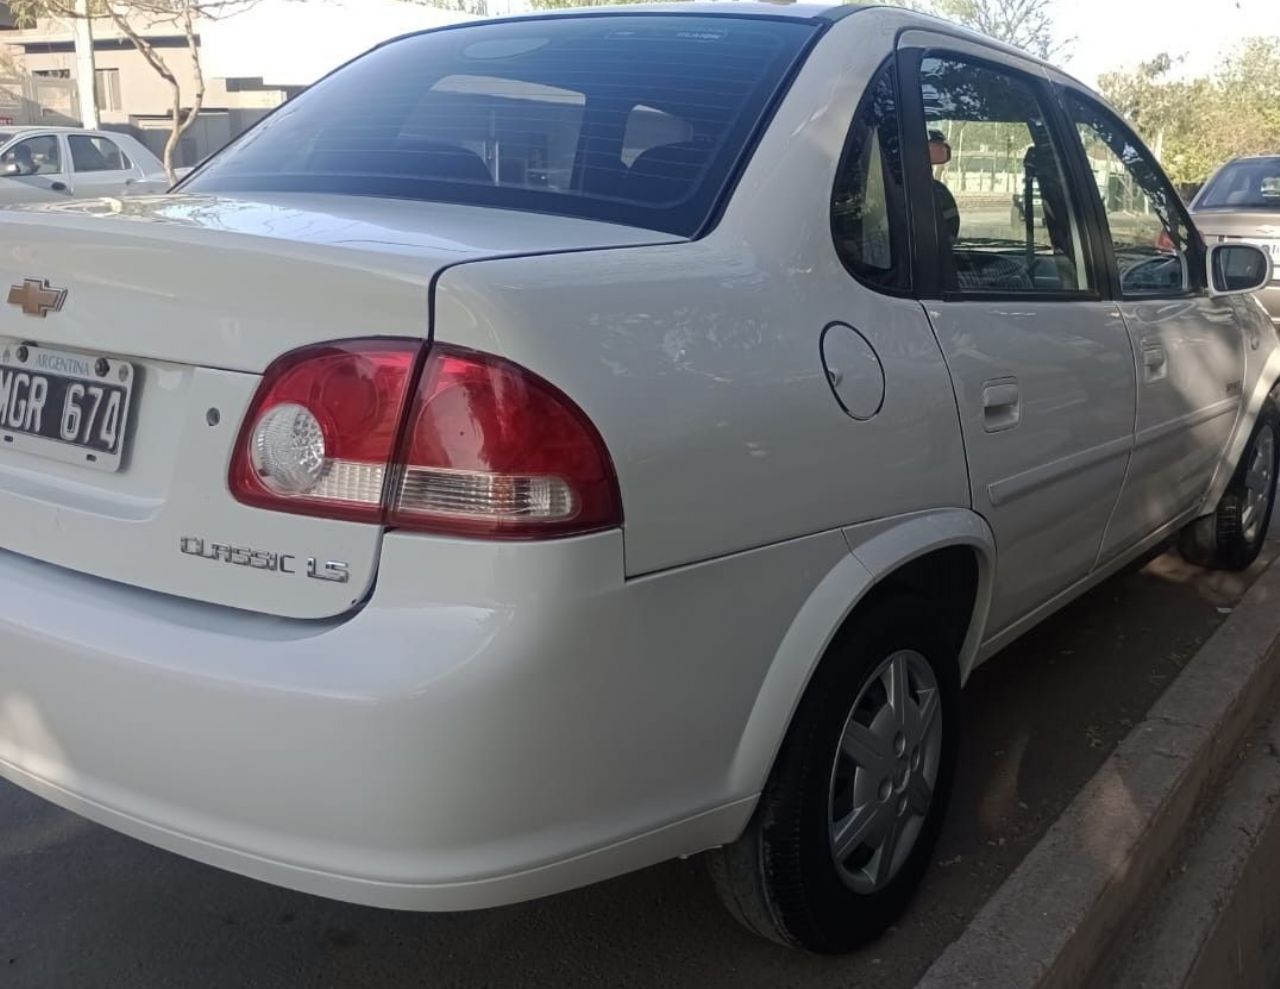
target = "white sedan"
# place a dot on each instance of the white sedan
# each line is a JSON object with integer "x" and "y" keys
{"x": 49, "y": 164}
{"x": 554, "y": 445}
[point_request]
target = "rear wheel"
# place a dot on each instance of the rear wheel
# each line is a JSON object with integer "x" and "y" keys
{"x": 852, "y": 809}
{"x": 1232, "y": 537}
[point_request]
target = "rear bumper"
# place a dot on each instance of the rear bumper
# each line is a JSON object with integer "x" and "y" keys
{"x": 541, "y": 724}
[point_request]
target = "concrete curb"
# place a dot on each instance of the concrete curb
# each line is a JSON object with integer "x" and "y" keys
{"x": 1216, "y": 922}
{"x": 1052, "y": 921}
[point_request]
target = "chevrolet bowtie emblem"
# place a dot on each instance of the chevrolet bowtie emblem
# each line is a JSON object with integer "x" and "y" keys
{"x": 37, "y": 298}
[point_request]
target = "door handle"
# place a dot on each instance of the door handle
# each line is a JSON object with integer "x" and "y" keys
{"x": 59, "y": 187}
{"x": 1001, "y": 404}
{"x": 1155, "y": 363}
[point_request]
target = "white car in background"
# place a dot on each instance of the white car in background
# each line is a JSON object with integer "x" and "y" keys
{"x": 49, "y": 164}
{"x": 554, "y": 445}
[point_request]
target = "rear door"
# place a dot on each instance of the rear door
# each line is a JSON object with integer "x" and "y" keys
{"x": 99, "y": 167}
{"x": 1189, "y": 349}
{"x": 1042, "y": 365}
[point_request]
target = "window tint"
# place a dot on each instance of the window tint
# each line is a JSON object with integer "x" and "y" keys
{"x": 1250, "y": 184}
{"x": 1002, "y": 205}
{"x": 625, "y": 118}
{"x": 1154, "y": 244}
{"x": 34, "y": 156}
{"x": 868, "y": 210}
{"x": 96, "y": 154}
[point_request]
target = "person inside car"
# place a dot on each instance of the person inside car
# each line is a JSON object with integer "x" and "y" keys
{"x": 944, "y": 201}
{"x": 20, "y": 156}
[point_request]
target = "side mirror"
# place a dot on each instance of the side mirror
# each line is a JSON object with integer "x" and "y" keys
{"x": 11, "y": 168}
{"x": 1237, "y": 269}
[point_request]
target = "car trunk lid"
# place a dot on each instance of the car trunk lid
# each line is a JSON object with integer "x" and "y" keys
{"x": 192, "y": 298}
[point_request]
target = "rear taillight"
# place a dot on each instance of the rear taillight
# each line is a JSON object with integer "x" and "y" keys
{"x": 479, "y": 447}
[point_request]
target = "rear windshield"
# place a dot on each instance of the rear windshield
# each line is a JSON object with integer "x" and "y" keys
{"x": 1253, "y": 184}
{"x": 634, "y": 119}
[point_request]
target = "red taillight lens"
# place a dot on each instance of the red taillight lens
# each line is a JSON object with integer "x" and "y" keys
{"x": 491, "y": 449}
{"x": 486, "y": 448}
{"x": 321, "y": 433}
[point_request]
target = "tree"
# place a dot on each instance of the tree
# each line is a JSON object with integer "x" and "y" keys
{"x": 133, "y": 19}
{"x": 1025, "y": 24}
{"x": 554, "y": 4}
{"x": 1195, "y": 124}
{"x": 480, "y": 7}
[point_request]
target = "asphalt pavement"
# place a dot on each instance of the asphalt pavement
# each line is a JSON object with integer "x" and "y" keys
{"x": 84, "y": 908}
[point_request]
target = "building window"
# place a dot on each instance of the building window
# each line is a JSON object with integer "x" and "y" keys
{"x": 51, "y": 73}
{"x": 106, "y": 86}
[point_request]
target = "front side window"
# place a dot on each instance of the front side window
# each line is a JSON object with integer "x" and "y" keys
{"x": 1251, "y": 184}
{"x": 34, "y": 156}
{"x": 96, "y": 154}
{"x": 1154, "y": 244}
{"x": 1002, "y": 206}
{"x": 622, "y": 118}
{"x": 868, "y": 211}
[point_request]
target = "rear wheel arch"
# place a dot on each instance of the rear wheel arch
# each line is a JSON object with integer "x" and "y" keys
{"x": 830, "y": 857}
{"x": 946, "y": 557}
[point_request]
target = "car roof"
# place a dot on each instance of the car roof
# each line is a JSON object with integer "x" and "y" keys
{"x": 715, "y": 8}
{"x": 25, "y": 128}
{"x": 773, "y": 9}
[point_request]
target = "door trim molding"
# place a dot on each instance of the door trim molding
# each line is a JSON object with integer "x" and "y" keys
{"x": 1189, "y": 420}
{"x": 1010, "y": 488}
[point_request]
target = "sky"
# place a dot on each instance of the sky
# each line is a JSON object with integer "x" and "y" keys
{"x": 1121, "y": 33}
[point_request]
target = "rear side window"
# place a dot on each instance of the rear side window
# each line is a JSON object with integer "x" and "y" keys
{"x": 636, "y": 119}
{"x": 868, "y": 208}
{"x": 96, "y": 154}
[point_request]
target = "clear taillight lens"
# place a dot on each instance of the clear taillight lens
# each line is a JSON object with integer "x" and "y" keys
{"x": 481, "y": 447}
{"x": 322, "y": 430}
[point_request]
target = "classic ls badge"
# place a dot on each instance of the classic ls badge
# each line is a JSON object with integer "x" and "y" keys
{"x": 332, "y": 571}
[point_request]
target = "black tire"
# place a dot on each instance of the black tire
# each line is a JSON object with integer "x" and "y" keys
{"x": 781, "y": 879}
{"x": 1222, "y": 541}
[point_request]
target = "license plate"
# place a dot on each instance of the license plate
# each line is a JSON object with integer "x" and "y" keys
{"x": 64, "y": 405}
{"x": 1274, "y": 247}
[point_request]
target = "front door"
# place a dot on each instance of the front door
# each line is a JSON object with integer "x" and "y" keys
{"x": 1189, "y": 349}
{"x": 31, "y": 171}
{"x": 1042, "y": 366}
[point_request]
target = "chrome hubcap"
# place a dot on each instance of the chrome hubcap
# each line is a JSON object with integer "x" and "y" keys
{"x": 1258, "y": 483}
{"x": 885, "y": 772}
